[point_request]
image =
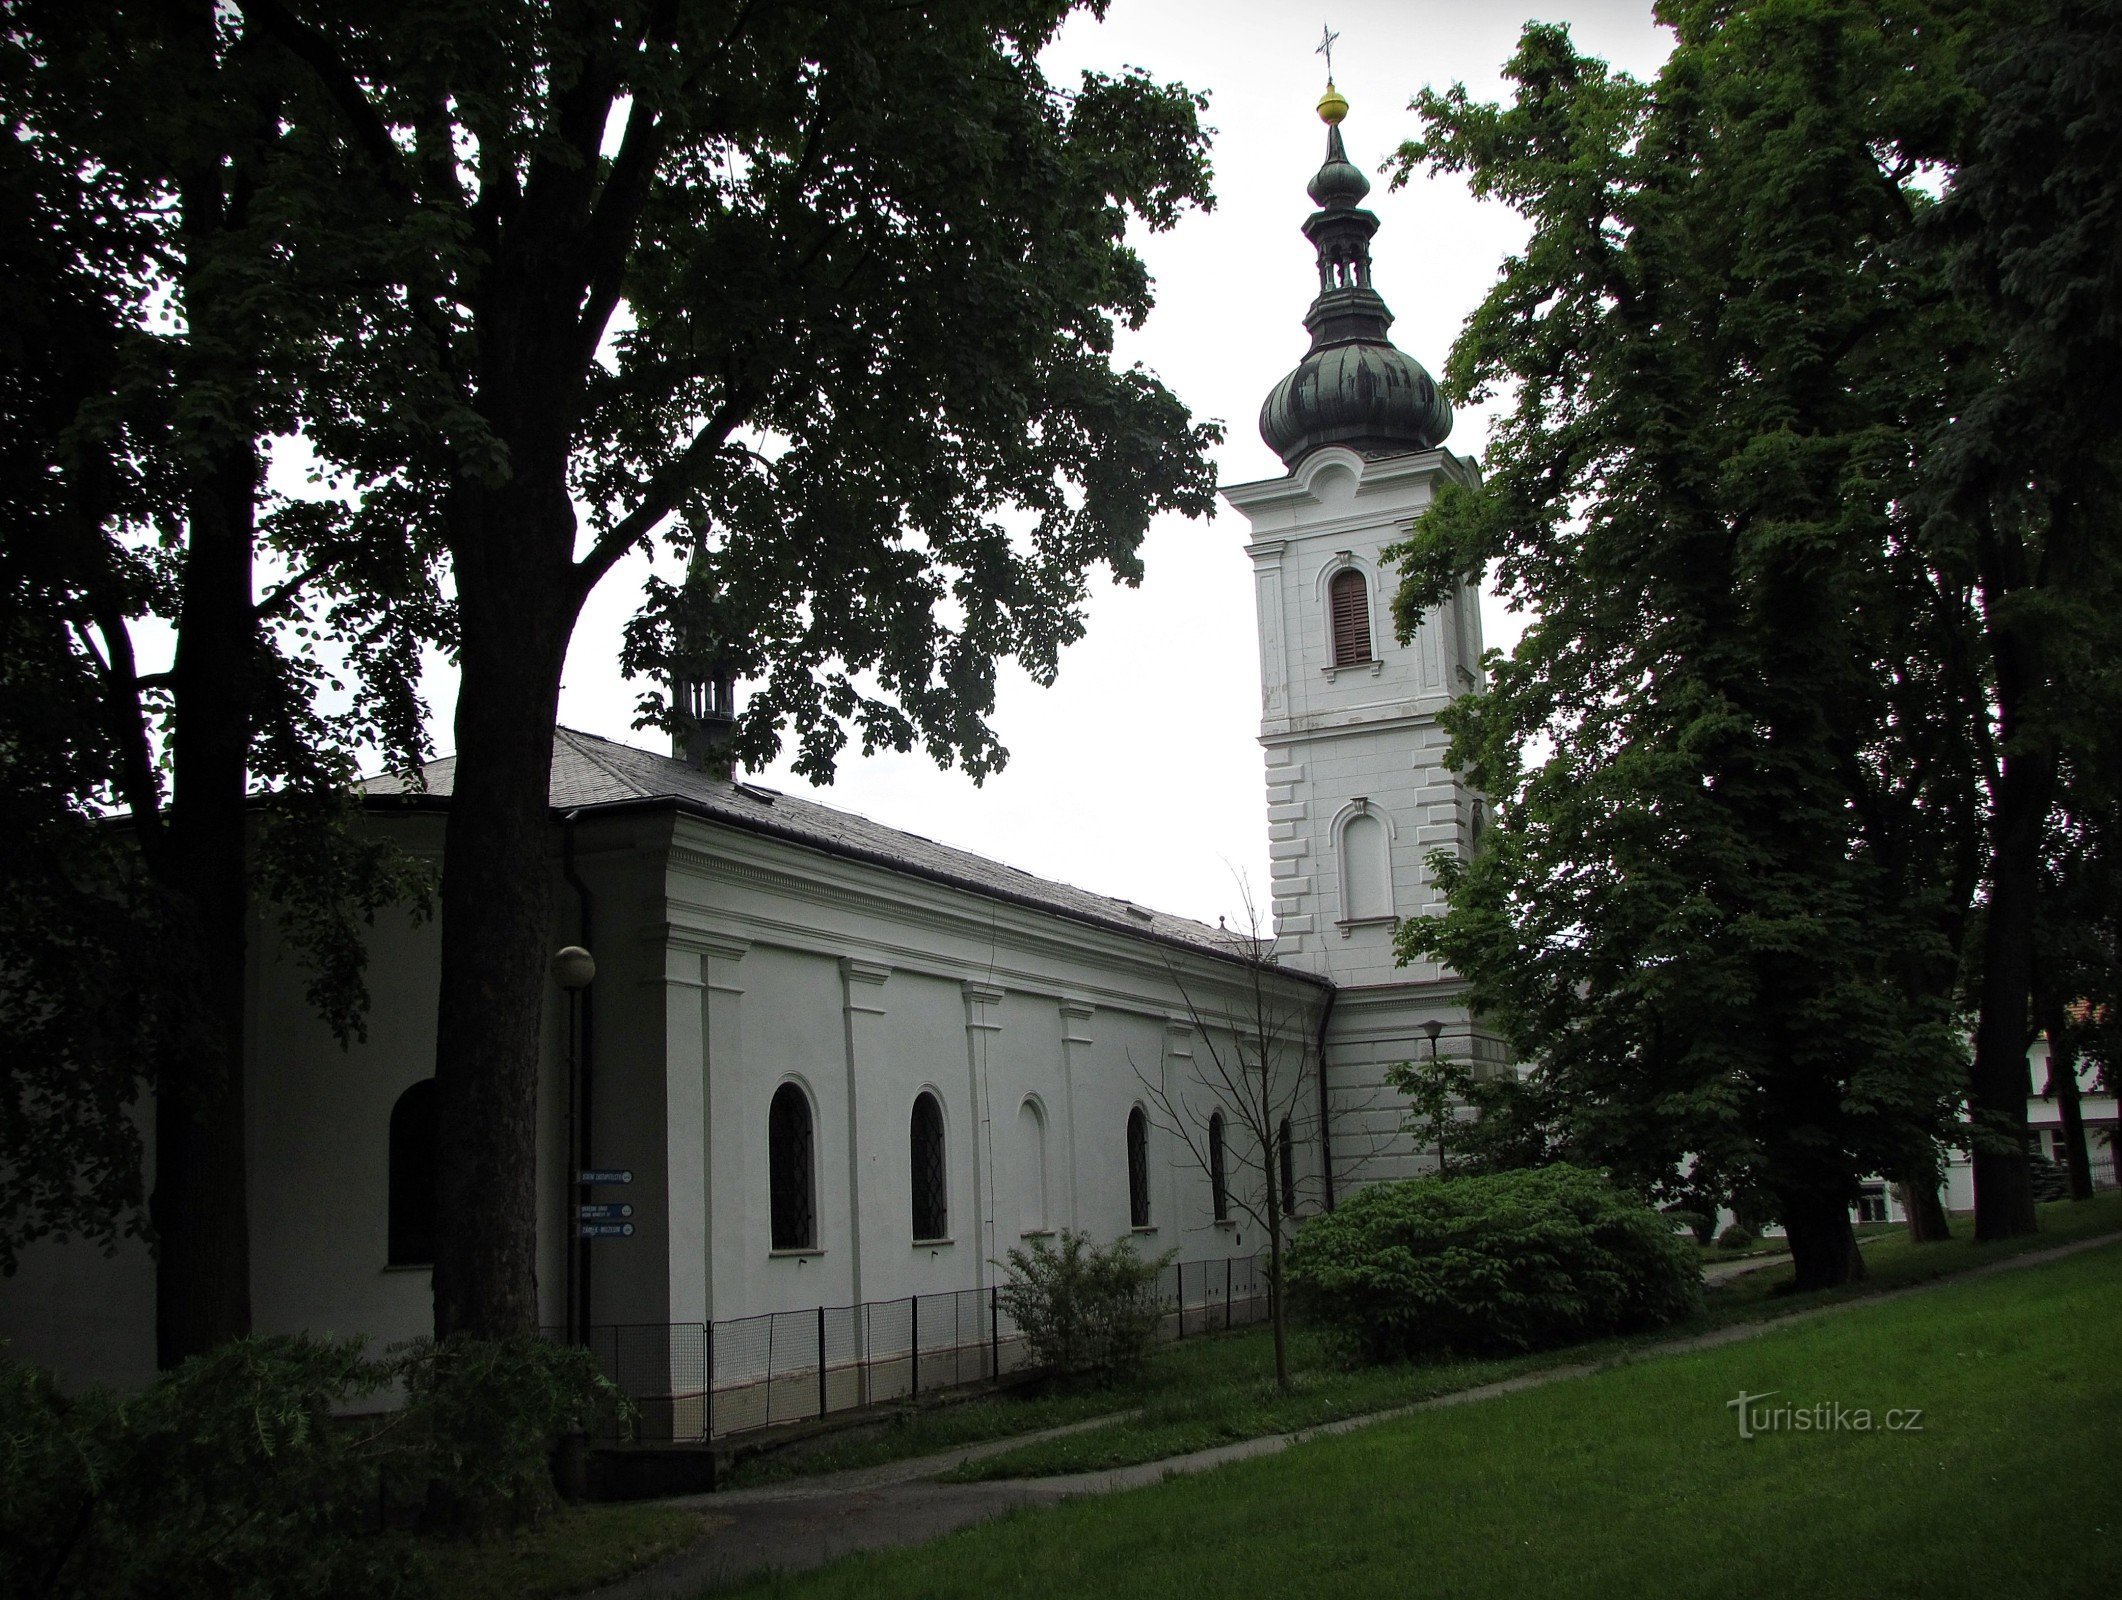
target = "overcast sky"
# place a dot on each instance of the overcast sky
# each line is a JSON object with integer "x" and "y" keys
{"x": 1138, "y": 774}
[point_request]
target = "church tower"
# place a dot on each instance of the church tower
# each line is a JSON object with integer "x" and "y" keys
{"x": 1358, "y": 793}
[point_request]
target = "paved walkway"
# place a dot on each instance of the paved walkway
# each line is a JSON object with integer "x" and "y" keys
{"x": 795, "y": 1526}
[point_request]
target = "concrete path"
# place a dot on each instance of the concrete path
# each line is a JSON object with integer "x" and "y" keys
{"x": 806, "y": 1523}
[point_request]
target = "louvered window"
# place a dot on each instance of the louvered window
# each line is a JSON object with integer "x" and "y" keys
{"x": 931, "y": 1191}
{"x": 1218, "y": 1182}
{"x": 1348, "y": 598}
{"x": 792, "y": 1205}
{"x": 1137, "y": 1168}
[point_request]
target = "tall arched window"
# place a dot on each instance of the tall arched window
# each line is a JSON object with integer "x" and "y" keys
{"x": 1218, "y": 1184}
{"x": 792, "y": 1203}
{"x": 1366, "y": 869}
{"x": 1031, "y": 1168}
{"x": 412, "y": 1177}
{"x": 1137, "y": 1168}
{"x": 1348, "y": 603}
{"x": 931, "y": 1185}
{"x": 1286, "y": 1152}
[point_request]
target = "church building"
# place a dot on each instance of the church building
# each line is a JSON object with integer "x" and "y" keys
{"x": 822, "y": 1062}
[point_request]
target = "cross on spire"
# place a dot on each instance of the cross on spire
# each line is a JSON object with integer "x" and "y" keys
{"x": 1327, "y": 36}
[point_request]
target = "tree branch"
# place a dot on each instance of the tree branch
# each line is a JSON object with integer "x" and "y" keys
{"x": 666, "y": 487}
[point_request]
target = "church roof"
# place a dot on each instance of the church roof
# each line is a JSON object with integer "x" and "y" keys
{"x": 591, "y": 774}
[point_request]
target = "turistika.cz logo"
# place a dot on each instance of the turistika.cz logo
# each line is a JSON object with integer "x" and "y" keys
{"x": 1822, "y": 1416}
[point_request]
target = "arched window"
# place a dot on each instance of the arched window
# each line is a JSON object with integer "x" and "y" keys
{"x": 1287, "y": 1153}
{"x": 1031, "y": 1168}
{"x": 412, "y": 1177}
{"x": 931, "y": 1185}
{"x": 1348, "y": 603}
{"x": 791, "y": 1197}
{"x": 1366, "y": 869}
{"x": 1218, "y": 1185}
{"x": 1137, "y": 1169}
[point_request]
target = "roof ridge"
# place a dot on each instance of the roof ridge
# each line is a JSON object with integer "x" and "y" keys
{"x": 575, "y": 740}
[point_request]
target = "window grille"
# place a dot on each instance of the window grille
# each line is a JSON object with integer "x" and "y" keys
{"x": 1288, "y": 1155}
{"x": 1137, "y": 1168}
{"x": 931, "y": 1190}
{"x": 1348, "y": 599}
{"x": 1218, "y": 1187}
{"x": 791, "y": 1201}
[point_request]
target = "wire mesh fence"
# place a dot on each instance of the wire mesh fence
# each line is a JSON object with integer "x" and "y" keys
{"x": 693, "y": 1381}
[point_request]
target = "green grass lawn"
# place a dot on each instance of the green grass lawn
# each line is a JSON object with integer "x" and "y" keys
{"x": 1220, "y": 1391}
{"x": 1635, "y": 1482}
{"x": 574, "y": 1550}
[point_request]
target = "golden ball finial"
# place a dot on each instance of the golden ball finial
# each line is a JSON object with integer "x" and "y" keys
{"x": 1333, "y": 105}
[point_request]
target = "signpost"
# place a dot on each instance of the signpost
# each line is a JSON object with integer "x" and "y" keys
{"x": 604, "y": 1219}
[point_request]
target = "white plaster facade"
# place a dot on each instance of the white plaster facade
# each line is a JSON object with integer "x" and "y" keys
{"x": 731, "y": 959}
{"x": 1358, "y": 791}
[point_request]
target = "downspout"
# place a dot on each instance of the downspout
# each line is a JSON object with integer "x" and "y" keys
{"x": 578, "y": 1094}
{"x": 1326, "y": 1132}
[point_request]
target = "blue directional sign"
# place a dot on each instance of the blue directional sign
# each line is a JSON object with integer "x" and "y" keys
{"x": 604, "y": 1211}
{"x": 607, "y": 1230}
{"x": 601, "y": 1175}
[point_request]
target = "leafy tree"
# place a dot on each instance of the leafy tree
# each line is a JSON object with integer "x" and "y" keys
{"x": 1261, "y": 1088}
{"x": 1721, "y": 911}
{"x": 825, "y": 293}
{"x": 2025, "y": 490}
{"x": 168, "y": 285}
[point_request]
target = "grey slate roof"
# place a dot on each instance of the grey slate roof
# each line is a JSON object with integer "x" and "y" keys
{"x": 590, "y": 773}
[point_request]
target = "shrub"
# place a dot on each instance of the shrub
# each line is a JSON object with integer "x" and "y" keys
{"x": 1085, "y": 1312}
{"x": 241, "y": 1475}
{"x": 231, "y": 1476}
{"x": 482, "y": 1418}
{"x": 1735, "y": 1237}
{"x": 1699, "y": 1223}
{"x": 1488, "y": 1265}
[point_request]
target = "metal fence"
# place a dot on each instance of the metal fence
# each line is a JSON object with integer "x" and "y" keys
{"x": 698, "y": 1380}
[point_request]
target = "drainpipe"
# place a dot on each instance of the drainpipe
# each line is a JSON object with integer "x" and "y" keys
{"x": 1326, "y": 1140}
{"x": 578, "y": 1091}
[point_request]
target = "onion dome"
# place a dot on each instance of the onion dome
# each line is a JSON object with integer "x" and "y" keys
{"x": 1353, "y": 388}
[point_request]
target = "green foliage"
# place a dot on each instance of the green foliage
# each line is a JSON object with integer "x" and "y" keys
{"x": 1735, "y": 755}
{"x": 1086, "y": 1312}
{"x": 1699, "y": 1223}
{"x": 484, "y": 1416}
{"x": 1735, "y": 1237}
{"x": 1493, "y": 1264}
{"x": 231, "y": 1477}
{"x": 267, "y": 1467}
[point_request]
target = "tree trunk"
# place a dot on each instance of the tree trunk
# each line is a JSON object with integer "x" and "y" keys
{"x": 2063, "y": 1084}
{"x": 2024, "y": 789}
{"x": 1277, "y": 1301}
{"x": 1823, "y": 1244}
{"x": 2004, "y": 1196}
{"x": 1927, "y": 1222}
{"x": 518, "y": 598}
{"x": 200, "y": 1205}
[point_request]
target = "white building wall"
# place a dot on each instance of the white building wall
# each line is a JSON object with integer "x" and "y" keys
{"x": 1361, "y": 745}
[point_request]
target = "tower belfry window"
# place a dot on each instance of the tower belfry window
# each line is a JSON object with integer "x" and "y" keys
{"x": 1348, "y": 604}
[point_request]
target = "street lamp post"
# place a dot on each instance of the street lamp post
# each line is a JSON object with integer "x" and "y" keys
{"x": 1433, "y": 1028}
{"x": 574, "y": 968}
